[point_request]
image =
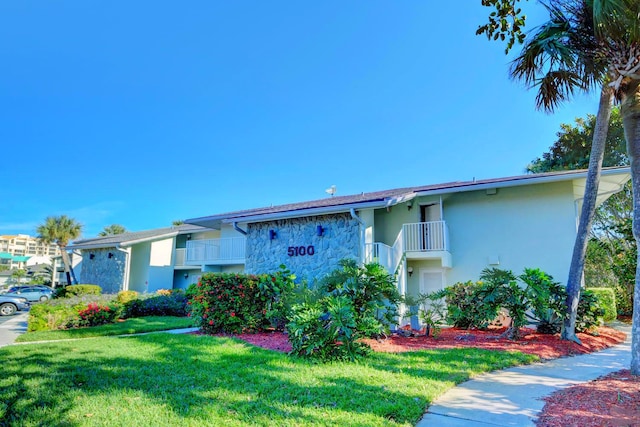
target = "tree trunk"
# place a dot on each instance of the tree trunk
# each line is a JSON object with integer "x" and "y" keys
{"x": 630, "y": 110}
{"x": 576, "y": 269}
{"x": 67, "y": 264}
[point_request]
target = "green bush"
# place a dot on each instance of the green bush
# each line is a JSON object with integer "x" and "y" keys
{"x": 466, "y": 307}
{"x": 63, "y": 313}
{"x": 326, "y": 330}
{"x": 372, "y": 292}
{"x": 126, "y": 296}
{"x": 590, "y": 312}
{"x": 77, "y": 290}
{"x": 607, "y": 301}
{"x": 174, "y": 303}
{"x": 235, "y": 303}
{"x": 356, "y": 302}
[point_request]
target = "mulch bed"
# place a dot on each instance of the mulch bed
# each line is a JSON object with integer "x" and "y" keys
{"x": 609, "y": 401}
{"x": 545, "y": 346}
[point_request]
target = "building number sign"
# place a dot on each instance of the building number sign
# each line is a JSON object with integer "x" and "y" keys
{"x": 301, "y": 250}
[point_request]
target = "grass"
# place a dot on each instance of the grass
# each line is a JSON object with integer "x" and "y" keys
{"x": 188, "y": 380}
{"x": 130, "y": 326}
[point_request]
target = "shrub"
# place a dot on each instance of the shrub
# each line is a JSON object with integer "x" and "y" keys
{"x": 234, "y": 303}
{"x": 589, "y": 311}
{"x": 63, "y": 313}
{"x": 326, "y": 330}
{"x": 607, "y": 301}
{"x": 372, "y": 292}
{"x": 466, "y": 307}
{"x": 96, "y": 314}
{"x": 76, "y": 290}
{"x": 172, "y": 304}
{"x": 357, "y": 302}
{"x": 126, "y": 296}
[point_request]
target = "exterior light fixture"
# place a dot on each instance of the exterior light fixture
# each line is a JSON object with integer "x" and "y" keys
{"x": 110, "y": 255}
{"x": 188, "y": 236}
{"x": 409, "y": 205}
{"x": 272, "y": 234}
{"x": 186, "y": 275}
{"x": 92, "y": 256}
{"x": 320, "y": 230}
{"x": 410, "y": 271}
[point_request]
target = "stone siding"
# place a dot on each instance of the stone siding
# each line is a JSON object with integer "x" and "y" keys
{"x": 108, "y": 273}
{"x": 340, "y": 240}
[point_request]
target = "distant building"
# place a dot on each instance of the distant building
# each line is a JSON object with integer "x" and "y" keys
{"x": 17, "y": 250}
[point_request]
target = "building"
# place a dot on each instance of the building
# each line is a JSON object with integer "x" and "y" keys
{"x": 428, "y": 236}
{"x": 146, "y": 261}
{"x": 17, "y": 250}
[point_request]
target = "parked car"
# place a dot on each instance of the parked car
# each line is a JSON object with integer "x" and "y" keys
{"x": 32, "y": 293}
{"x": 9, "y": 305}
{"x": 19, "y": 287}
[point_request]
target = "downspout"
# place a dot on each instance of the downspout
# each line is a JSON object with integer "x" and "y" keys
{"x": 363, "y": 225}
{"x": 127, "y": 266}
{"x": 238, "y": 229}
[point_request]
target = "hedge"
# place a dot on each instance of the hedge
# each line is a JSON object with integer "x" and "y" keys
{"x": 77, "y": 290}
{"x": 607, "y": 300}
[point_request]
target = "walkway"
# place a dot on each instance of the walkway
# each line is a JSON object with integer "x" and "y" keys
{"x": 12, "y": 328}
{"x": 512, "y": 397}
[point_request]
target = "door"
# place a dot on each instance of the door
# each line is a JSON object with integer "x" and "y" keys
{"x": 428, "y": 213}
{"x": 431, "y": 280}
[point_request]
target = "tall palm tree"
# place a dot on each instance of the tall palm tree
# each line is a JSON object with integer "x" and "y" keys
{"x": 60, "y": 230}
{"x": 560, "y": 58}
{"x": 112, "y": 229}
{"x": 605, "y": 32}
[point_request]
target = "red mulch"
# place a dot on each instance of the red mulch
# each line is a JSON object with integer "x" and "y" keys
{"x": 545, "y": 346}
{"x": 609, "y": 401}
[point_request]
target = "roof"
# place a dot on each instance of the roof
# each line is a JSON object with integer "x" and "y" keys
{"x": 132, "y": 238}
{"x": 387, "y": 198}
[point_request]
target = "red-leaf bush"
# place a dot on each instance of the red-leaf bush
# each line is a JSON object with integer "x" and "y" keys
{"x": 236, "y": 303}
{"x": 96, "y": 314}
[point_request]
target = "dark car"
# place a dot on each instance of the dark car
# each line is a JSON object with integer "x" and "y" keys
{"x": 9, "y": 305}
{"x": 32, "y": 293}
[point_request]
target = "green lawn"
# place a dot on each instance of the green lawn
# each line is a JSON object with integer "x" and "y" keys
{"x": 187, "y": 380}
{"x": 130, "y": 326}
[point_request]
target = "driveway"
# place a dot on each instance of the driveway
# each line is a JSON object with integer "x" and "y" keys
{"x": 12, "y": 326}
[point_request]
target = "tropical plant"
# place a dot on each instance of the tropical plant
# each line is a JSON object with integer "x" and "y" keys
{"x": 60, "y": 230}
{"x": 372, "y": 291}
{"x": 600, "y": 47}
{"x": 112, "y": 229}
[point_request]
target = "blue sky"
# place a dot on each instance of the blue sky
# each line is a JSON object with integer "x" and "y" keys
{"x": 141, "y": 113}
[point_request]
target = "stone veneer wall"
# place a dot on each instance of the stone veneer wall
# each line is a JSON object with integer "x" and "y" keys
{"x": 341, "y": 239}
{"x": 108, "y": 273}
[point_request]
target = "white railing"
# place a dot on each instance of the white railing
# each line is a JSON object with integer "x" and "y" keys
{"x": 426, "y": 236}
{"x": 181, "y": 256}
{"x": 213, "y": 251}
{"x": 380, "y": 253}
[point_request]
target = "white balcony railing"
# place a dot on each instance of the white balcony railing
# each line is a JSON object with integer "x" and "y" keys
{"x": 215, "y": 251}
{"x": 426, "y": 236}
{"x": 181, "y": 257}
{"x": 380, "y": 253}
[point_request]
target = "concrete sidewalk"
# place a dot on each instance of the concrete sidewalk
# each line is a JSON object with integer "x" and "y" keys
{"x": 512, "y": 397}
{"x": 12, "y": 328}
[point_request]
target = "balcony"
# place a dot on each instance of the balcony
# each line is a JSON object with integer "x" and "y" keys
{"x": 213, "y": 252}
{"x": 422, "y": 240}
{"x": 427, "y": 240}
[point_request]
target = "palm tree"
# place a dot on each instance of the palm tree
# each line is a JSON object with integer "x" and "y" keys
{"x": 112, "y": 229}
{"x": 60, "y": 230}
{"x": 560, "y": 58}
{"x": 600, "y": 33}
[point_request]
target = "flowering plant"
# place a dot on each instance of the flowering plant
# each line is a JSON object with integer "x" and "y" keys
{"x": 96, "y": 314}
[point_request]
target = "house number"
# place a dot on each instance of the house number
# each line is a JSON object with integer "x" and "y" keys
{"x": 301, "y": 250}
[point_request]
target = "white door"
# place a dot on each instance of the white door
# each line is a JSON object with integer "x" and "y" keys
{"x": 431, "y": 281}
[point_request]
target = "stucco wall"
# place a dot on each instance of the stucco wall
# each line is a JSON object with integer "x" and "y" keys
{"x": 529, "y": 226}
{"x": 108, "y": 273}
{"x": 340, "y": 240}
